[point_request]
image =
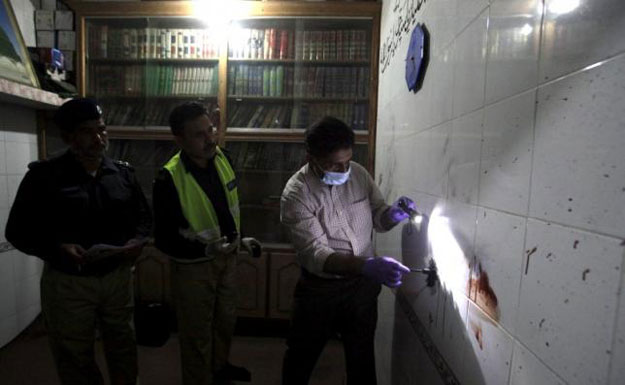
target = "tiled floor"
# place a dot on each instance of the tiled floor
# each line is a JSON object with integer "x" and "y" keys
{"x": 28, "y": 361}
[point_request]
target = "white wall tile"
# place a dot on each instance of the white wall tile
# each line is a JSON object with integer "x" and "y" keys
{"x": 410, "y": 362}
{"x": 585, "y": 35}
{"x": 8, "y": 329}
{"x": 568, "y": 300}
{"x": 25, "y": 266}
{"x": 617, "y": 365}
{"x": 4, "y": 192}
{"x": 499, "y": 251}
{"x": 441, "y": 23}
{"x": 507, "y": 154}
{"x": 6, "y": 267}
{"x": 27, "y": 293}
{"x": 451, "y": 338}
{"x": 493, "y": 348}
{"x": 452, "y": 233}
{"x": 22, "y": 127}
{"x": 579, "y": 164}
{"x": 420, "y": 166}
{"x": 527, "y": 369}
{"x": 13, "y": 184}
{"x": 466, "y": 12}
{"x": 464, "y": 158}
{"x": 19, "y": 155}
{"x": 513, "y": 42}
{"x": 437, "y": 85}
{"x": 20, "y": 135}
{"x": 27, "y": 315}
{"x": 3, "y": 160}
{"x": 470, "y": 66}
{"x": 545, "y": 151}
{"x": 438, "y": 160}
{"x": 8, "y": 306}
{"x": 4, "y": 216}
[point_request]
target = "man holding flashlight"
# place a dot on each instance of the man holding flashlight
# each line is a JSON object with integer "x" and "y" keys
{"x": 331, "y": 207}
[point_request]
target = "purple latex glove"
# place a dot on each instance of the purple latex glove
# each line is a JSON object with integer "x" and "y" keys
{"x": 396, "y": 213}
{"x": 384, "y": 270}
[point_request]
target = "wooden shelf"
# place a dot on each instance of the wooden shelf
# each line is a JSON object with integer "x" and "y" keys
{"x": 279, "y": 134}
{"x": 146, "y": 97}
{"x": 140, "y": 132}
{"x": 304, "y": 99}
{"x": 23, "y": 95}
{"x": 285, "y": 135}
{"x": 151, "y": 61}
{"x": 325, "y": 63}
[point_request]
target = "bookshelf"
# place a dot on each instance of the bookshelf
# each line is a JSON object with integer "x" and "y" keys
{"x": 273, "y": 68}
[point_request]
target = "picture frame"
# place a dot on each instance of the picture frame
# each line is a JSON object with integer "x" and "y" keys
{"x": 15, "y": 62}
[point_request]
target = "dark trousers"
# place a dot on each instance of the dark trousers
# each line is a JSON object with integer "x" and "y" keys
{"x": 321, "y": 309}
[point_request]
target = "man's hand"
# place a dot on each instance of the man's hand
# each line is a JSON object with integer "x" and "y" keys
{"x": 221, "y": 246}
{"x": 397, "y": 213}
{"x": 134, "y": 247}
{"x": 384, "y": 270}
{"x": 74, "y": 252}
{"x": 252, "y": 246}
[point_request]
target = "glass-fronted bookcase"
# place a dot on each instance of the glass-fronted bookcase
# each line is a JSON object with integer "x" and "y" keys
{"x": 272, "y": 68}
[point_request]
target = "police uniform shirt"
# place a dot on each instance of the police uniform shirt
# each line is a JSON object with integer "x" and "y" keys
{"x": 60, "y": 202}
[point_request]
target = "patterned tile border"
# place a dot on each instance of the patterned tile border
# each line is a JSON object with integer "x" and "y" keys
{"x": 439, "y": 362}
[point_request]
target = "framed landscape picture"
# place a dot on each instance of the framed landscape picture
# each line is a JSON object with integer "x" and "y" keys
{"x": 15, "y": 63}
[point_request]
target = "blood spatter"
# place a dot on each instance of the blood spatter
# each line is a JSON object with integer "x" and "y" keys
{"x": 478, "y": 334}
{"x": 482, "y": 293}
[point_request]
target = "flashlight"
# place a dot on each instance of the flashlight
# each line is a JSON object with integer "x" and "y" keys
{"x": 404, "y": 206}
{"x": 431, "y": 273}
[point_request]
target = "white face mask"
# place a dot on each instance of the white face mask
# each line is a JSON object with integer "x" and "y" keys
{"x": 335, "y": 178}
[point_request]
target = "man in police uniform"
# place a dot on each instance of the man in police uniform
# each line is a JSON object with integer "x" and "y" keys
{"x": 196, "y": 212}
{"x": 63, "y": 207}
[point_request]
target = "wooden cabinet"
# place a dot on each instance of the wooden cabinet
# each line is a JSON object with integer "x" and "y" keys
{"x": 266, "y": 284}
{"x": 284, "y": 273}
{"x": 252, "y": 280}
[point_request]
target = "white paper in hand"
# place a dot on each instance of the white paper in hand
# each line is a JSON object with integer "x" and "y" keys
{"x": 102, "y": 251}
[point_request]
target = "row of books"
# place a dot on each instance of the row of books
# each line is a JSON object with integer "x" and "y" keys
{"x": 281, "y": 81}
{"x": 272, "y": 43}
{"x": 138, "y": 113}
{"x": 297, "y": 116}
{"x": 260, "y": 80}
{"x": 153, "y": 80}
{"x": 266, "y": 156}
{"x": 150, "y": 43}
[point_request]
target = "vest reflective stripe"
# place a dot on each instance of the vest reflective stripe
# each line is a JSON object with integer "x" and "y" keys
{"x": 196, "y": 206}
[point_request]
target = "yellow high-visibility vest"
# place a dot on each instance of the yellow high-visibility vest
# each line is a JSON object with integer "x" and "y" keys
{"x": 196, "y": 206}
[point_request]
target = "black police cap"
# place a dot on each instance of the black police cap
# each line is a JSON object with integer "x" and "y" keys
{"x": 76, "y": 111}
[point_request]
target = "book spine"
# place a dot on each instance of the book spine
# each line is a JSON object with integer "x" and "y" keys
{"x": 284, "y": 44}
{"x": 280, "y": 81}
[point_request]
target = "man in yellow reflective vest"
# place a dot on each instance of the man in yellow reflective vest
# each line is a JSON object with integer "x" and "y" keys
{"x": 197, "y": 223}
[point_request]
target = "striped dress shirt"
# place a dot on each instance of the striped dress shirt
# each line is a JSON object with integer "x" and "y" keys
{"x": 326, "y": 219}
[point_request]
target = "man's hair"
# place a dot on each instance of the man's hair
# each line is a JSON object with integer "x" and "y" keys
{"x": 184, "y": 113}
{"x": 328, "y": 135}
